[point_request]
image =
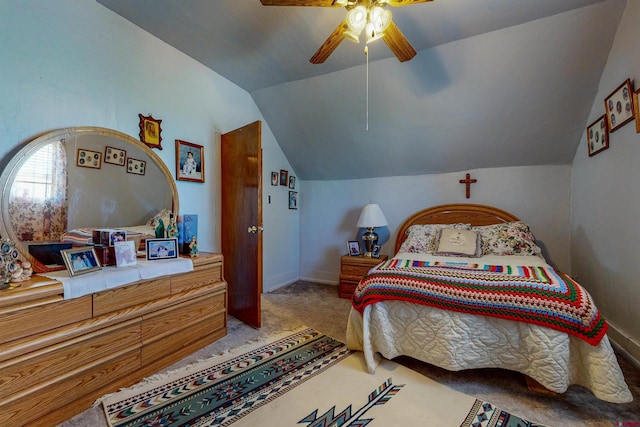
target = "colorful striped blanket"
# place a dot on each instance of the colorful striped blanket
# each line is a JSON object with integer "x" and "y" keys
{"x": 539, "y": 295}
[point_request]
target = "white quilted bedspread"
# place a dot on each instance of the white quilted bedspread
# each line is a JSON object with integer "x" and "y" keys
{"x": 457, "y": 341}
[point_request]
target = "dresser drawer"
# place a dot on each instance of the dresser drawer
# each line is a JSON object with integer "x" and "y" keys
{"x": 130, "y": 295}
{"x": 200, "y": 276}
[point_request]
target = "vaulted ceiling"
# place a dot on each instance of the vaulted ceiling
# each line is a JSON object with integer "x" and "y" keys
{"x": 495, "y": 82}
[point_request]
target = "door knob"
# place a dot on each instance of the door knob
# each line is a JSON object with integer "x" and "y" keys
{"x": 260, "y": 229}
{"x": 253, "y": 229}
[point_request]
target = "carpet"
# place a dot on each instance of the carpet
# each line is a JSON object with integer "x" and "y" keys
{"x": 302, "y": 379}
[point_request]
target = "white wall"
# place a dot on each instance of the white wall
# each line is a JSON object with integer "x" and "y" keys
{"x": 75, "y": 63}
{"x": 330, "y": 209}
{"x": 606, "y": 201}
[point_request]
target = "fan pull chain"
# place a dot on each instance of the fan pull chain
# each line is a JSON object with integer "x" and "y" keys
{"x": 366, "y": 53}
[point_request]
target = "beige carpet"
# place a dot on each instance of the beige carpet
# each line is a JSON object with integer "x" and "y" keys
{"x": 319, "y": 307}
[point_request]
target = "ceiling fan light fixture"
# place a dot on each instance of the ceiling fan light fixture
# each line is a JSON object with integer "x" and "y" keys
{"x": 380, "y": 18}
{"x": 357, "y": 19}
{"x": 349, "y": 34}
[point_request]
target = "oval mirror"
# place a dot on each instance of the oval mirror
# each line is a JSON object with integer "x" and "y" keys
{"x": 79, "y": 178}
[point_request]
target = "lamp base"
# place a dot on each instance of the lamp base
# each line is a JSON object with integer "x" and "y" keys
{"x": 370, "y": 238}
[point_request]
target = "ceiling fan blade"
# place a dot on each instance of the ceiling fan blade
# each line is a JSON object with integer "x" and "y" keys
{"x": 396, "y": 3}
{"x": 330, "y": 44}
{"x": 319, "y": 3}
{"x": 398, "y": 43}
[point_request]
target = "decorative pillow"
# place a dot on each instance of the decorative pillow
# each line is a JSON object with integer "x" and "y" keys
{"x": 165, "y": 214}
{"x": 452, "y": 242}
{"x": 421, "y": 237}
{"x": 509, "y": 238}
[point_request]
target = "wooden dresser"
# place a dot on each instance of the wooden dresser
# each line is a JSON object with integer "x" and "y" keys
{"x": 58, "y": 356}
{"x": 352, "y": 268}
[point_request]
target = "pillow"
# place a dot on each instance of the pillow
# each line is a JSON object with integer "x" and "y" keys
{"x": 165, "y": 214}
{"x": 452, "y": 242}
{"x": 509, "y": 238}
{"x": 421, "y": 237}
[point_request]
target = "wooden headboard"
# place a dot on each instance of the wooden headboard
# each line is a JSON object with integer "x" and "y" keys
{"x": 452, "y": 214}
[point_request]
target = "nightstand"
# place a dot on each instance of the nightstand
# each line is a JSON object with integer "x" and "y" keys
{"x": 352, "y": 268}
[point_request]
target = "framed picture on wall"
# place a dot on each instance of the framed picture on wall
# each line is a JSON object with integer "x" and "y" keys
{"x": 136, "y": 167}
{"x": 292, "y": 182}
{"x": 597, "y": 136}
{"x": 293, "y": 200}
{"x": 636, "y": 109}
{"x": 619, "y": 106}
{"x": 88, "y": 159}
{"x": 115, "y": 156}
{"x": 150, "y": 131}
{"x": 189, "y": 161}
{"x": 274, "y": 178}
{"x": 284, "y": 177}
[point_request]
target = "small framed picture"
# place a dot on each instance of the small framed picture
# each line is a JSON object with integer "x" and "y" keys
{"x": 292, "y": 182}
{"x": 80, "y": 260}
{"x": 189, "y": 161}
{"x": 161, "y": 248}
{"x": 117, "y": 236}
{"x": 114, "y": 156}
{"x": 284, "y": 177}
{"x": 597, "y": 136}
{"x": 636, "y": 109}
{"x": 293, "y": 200}
{"x": 126, "y": 254}
{"x": 150, "y": 131}
{"x": 619, "y": 106}
{"x": 353, "y": 247}
{"x": 89, "y": 159}
{"x": 375, "y": 251}
{"x": 274, "y": 178}
{"x": 136, "y": 167}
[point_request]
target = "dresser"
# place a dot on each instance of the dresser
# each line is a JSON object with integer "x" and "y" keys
{"x": 352, "y": 268}
{"x": 58, "y": 356}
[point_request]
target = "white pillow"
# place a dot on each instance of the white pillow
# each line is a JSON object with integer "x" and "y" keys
{"x": 453, "y": 242}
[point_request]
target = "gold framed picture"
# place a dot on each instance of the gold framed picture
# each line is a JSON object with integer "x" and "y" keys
{"x": 150, "y": 131}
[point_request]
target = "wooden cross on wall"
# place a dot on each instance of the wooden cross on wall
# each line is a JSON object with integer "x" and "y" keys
{"x": 468, "y": 181}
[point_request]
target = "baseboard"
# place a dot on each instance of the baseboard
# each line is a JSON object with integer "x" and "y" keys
{"x": 322, "y": 281}
{"x": 628, "y": 347}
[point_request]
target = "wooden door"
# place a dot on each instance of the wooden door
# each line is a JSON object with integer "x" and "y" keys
{"x": 241, "y": 156}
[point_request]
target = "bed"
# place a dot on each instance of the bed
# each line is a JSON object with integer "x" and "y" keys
{"x": 462, "y": 318}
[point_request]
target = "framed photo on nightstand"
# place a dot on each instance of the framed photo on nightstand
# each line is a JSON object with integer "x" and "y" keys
{"x": 353, "y": 246}
{"x": 375, "y": 252}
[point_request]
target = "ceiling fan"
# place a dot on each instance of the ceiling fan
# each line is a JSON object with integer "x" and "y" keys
{"x": 368, "y": 15}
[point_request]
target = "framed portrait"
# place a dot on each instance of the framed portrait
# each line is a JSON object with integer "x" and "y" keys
{"x": 80, "y": 260}
{"x": 150, "y": 131}
{"x": 126, "y": 253}
{"x": 597, "y": 136}
{"x": 293, "y": 200}
{"x": 161, "y": 248}
{"x": 619, "y": 106}
{"x": 284, "y": 177}
{"x": 292, "y": 182}
{"x": 189, "y": 161}
{"x": 117, "y": 236}
{"x": 88, "y": 159}
{"x": 375, "y": 251}
{"x": 114, "y": 156}
{"x": 353, "y": 248}
{"x": 136, "y": 167}
{"x": 636, "y": 109}
{"x": 274, "y": 178}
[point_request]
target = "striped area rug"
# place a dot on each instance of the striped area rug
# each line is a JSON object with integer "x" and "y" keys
{"x": 302, "y": 379}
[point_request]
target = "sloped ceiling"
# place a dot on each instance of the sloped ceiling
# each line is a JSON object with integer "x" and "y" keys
{"x": 495, "y": 82}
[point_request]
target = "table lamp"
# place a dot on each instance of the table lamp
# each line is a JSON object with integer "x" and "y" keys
{"x": 370, "y": 218}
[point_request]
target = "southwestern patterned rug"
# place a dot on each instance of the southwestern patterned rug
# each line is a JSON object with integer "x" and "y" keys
{"x": 302, "y": 379}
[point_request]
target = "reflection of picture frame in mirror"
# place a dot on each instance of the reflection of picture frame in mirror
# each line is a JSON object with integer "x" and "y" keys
{"x": 88, "y": 159}
{"x": 150, "y": 131}
{"x": 619, "y": 106}
{"x": 292, "y": 182}
{"x": 135, "y": 166}
{"x": 80, "y": 260}
{"x": 293, "y": 200}
{"x": 274, "y": 178}
{"x": 597, "y": 136}
{"x": 114, "y": 156}
{"x": 284, "y": 177}
{"x": 189, "y": 161}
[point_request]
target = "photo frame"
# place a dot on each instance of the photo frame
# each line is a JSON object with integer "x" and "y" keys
{"x": 619, "y": 106}
{"x": 293, "y": 200}
{"x": 274, "y": 178}
{"x": 136, "y": 167}
{"x": 189, "y": 161}
{"x": 126, "y": 253}
{"x": 375, "y": 251}
{"x": 292, "y": 182}
{"x": 114, "y": 156}
{"x": 636, "y": 109}
{"x": 80, "y": 260}
{"x": 284, "y": 177}
{"x": 161, "y": 248}
{"x": 88, "y": 159}
{"x": 150, "y": 131}
{"x": 597, "y": 136}
{"x": 353, "y": 248}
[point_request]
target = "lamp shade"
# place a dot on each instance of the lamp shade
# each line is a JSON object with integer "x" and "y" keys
{"x": 371, "y": 216}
